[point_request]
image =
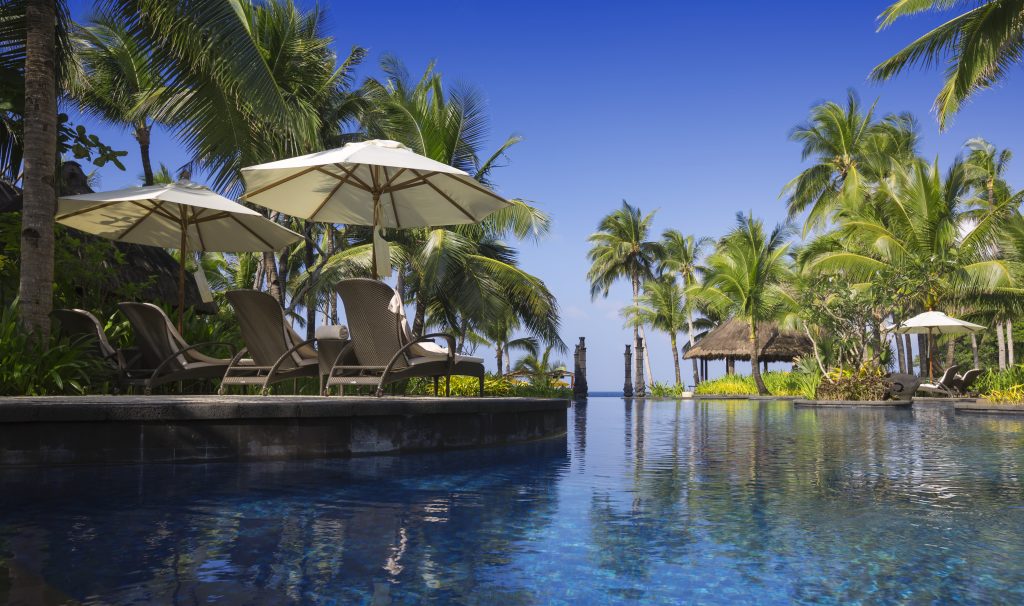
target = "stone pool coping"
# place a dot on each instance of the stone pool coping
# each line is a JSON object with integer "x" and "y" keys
{"x": 742, "y": 397}
{"x": 844, "y": 403}
{"x": 984, "y": 406}
{"x": 176, "y": 429}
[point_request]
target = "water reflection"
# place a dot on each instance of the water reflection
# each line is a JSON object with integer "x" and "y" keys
{"x": 652, "y": 502}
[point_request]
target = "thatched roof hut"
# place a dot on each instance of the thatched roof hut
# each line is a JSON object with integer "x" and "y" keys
{"x": 140, "y": 264}
{"x": 731, "y": 339}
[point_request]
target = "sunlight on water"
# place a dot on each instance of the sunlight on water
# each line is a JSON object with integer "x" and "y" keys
{"x": 659, "y": 502}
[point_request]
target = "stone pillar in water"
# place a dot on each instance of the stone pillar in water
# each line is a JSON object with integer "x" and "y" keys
{"x": 627, "y": 387}
{"x": 580, "y": 389}
{"x": 641, "y": 388}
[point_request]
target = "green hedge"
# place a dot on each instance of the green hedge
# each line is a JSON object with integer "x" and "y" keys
{"x": 778, "y": 384}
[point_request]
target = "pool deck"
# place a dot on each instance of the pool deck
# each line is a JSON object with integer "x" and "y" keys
{"x": 172, "y": 429}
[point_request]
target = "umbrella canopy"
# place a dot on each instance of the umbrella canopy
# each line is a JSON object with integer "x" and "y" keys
{"x": 180, "y": 215}
{"x": 378, "y": 183}
{"x": 937, "y": 323}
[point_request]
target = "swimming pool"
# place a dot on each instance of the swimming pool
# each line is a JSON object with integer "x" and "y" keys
{"x": 656, "y": 502}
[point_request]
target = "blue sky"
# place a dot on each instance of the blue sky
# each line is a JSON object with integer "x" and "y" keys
{"x": 683, "y": 108}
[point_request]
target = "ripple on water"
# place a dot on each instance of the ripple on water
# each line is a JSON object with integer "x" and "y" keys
{"x": 658, "y": 502}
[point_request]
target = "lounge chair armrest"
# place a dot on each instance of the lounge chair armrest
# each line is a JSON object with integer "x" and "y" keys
{"x": 286, "y": 355}
{"x": 170, "y": 358}
{"x": 401, "y": 352}
{"x": 238, "y": 357}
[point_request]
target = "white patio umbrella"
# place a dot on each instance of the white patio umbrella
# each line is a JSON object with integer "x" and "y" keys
{"x": 935, "y": 323}
{"x": 180, "y": 215}
{"x": 377, "y": 183}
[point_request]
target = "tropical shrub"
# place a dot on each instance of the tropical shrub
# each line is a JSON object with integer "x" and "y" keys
{"x": 493, "y": 386}
{"x": 56, "y": 367}
{"x": 1009, "y": 395}
{"x": 778, "y": 384}
{"x": 999, "y": 380}
{"x": 665, "y": 390}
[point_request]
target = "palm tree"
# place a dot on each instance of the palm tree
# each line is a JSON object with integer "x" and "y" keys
{"x": 663, "y": 307}
{"x": 538, "y": 365}
{"x": 117, "y": 80}
{"x": 680, "y": 258}
{"x": 921, "y": 235}
{"x": 462, "y": 277}
{"x": 745, "y": 278}
{"x": 620, "y": 249}
{"x": 978, "y": 47}
{"x": 35, "y": 288}
{"x": 851, "y": 152}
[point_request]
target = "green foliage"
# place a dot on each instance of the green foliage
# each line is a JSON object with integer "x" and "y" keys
{"x": 1010, "y": 395}
{"x": 865, "y": 383}
{"x": 658, "y": 389}
{"x": 493, "y": 386}
{"x": 778, "y": 384}
{"x": 996, "y": 380}
{"x": 56, "y": 367}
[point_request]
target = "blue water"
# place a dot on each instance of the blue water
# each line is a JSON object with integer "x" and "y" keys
{"x": 655, "y": 503}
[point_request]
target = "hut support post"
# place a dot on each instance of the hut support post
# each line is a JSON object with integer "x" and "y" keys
{"x": 580, "y": 376}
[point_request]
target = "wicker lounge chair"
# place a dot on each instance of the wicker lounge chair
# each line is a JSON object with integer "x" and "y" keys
{"x": 945, "y": 384}
{"x": 275, "y": 352}
{"x": 165, "y": 354}
{"x": 962, "y": 383}
{"x": 81, "y": 326}
{"x": 383, "y": 348}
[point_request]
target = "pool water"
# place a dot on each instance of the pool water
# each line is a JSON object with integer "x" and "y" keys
{"x": 655, "y": 503}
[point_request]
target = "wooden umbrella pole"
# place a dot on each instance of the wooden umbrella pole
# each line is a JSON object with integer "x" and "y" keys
{"x": 373, "y": 234}
{"x": 181, "y": 271}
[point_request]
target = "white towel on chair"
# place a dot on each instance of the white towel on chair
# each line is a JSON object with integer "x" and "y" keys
{"x": 332, "y": 331}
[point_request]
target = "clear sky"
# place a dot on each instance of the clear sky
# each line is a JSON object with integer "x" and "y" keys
{"x": 679, "y": 107}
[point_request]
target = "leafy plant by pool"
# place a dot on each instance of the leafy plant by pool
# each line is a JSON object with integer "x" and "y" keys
{"x": 779, "y": 383}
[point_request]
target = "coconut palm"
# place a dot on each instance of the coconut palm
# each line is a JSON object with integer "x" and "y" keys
{"x": 745, "y": 278}
{"x": 920, "y": 237}
{"x": 542, "y": 370}
{"x": 850, "y": 151}
{"x": 662, "y": 306}
{"x": 681, "y": 258}
{"x": 117, "y": 80}
{"x": 35, "y": 288}
{"x": 978, "y": 47}
{"x": 620, "y": 249}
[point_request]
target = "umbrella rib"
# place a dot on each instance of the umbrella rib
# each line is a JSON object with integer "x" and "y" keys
{"x": 355, "y": 178}
{"x": 149, "y": 212}
{"x": 248, "y": 229}
{"x": 158, "y": 207}
{"x": 391, "y": 195}
{"x": 413, "y": 182}
{"x": 199, "y": 232}
{"x": 84, "y": 210}
{"x": 328, "y": 197}
{"x": 212, "y": 217}
{"x": 447, "y": 197}
{"x": 391, "y": 180}
{"x": 281, "y": 181}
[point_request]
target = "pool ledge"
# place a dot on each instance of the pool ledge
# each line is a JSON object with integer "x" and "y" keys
{"x": 981, "y": 406}
{"x": 864, "y": 403}
{"x": 172, "y": 429}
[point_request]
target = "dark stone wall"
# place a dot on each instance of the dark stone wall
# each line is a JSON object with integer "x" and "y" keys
{"x": 163, "y": 433}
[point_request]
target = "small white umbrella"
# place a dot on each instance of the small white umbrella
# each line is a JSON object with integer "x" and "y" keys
{"x": 180, "y": 215}
{"x": 936, "y": 323}
{"x": 377, "y": 183}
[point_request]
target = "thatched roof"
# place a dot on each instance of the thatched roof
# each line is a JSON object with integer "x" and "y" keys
{"x": 142, "y": 264}
{"x": 731, "y": 339}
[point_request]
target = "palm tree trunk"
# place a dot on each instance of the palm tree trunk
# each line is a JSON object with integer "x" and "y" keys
{"x": 900, "y": 358}
{"x": 647, "y": 356}
{"x": 1001, "y": 345}
{"x": 974, "y": 349}
{"x": 310, "y": 297}
{"x": 420, "y": 317}
{"x": 637, "y": 380}
{"x": 689, "y": 332}
{"x": 755, "y": 367}
{"x": 142, "y": 133}
{"x": 675, "y": 358}
{"x": 1009, "y": 344}
{"x": 910, "y": 353}
{"x": 922, "y": 354}
{"x": 273, "y": 282}
{"x": 950, "y": 351}
{"x": 500, "y": 355}
{"x": 35, "y": 283}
